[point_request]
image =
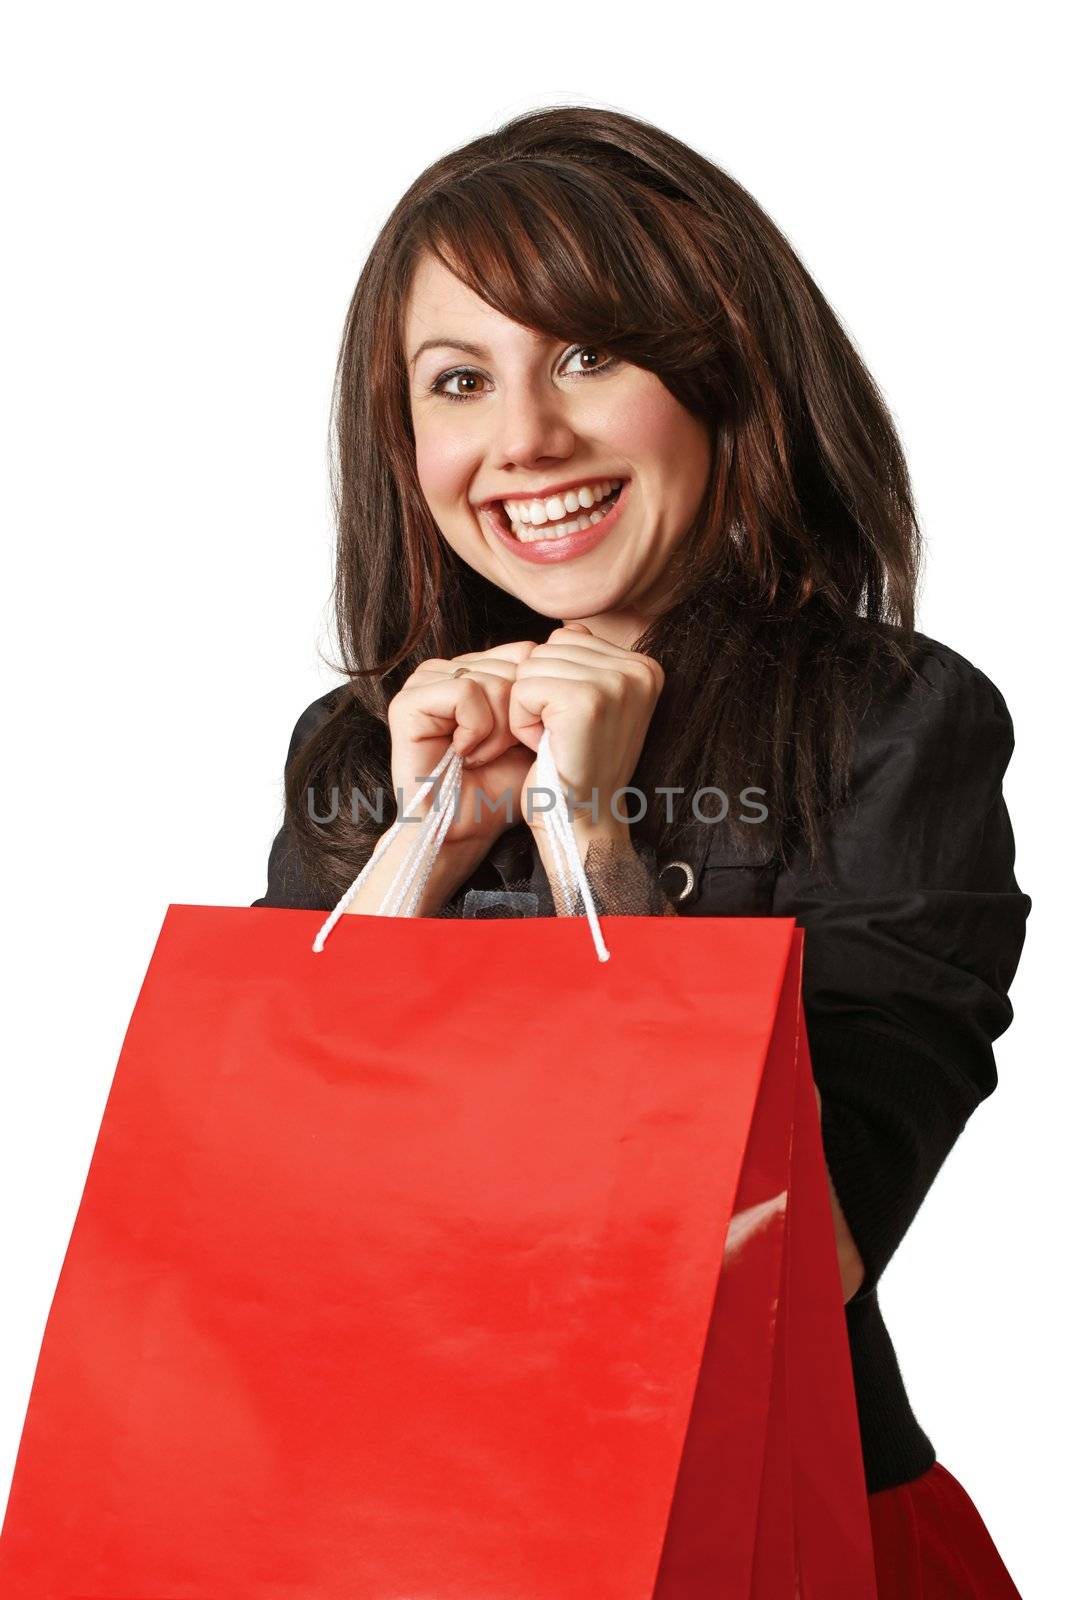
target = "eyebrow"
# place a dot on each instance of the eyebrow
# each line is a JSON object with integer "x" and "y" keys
{"x": 437, "y": 343}
{"x": 440, "y": 343}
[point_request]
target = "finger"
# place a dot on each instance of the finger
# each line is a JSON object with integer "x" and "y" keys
{"x": 575, "y": 647}
{"x": 484, "y": 744}
{"x": 516, "y": 650}
{"x": 594, "y": 660}
{"x": 488, "y": 743}
{"x": 435, "y": 708}
{"x": 581, "y": 687}
{"x": 533, "y": 699}
{"x": 601, "y": 679}
{"x": 503, "y": 670}
{"x": 577, "y": 632}
{"x": 509, "y": 652}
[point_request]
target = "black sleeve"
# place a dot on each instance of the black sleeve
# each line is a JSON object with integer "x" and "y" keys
{"x": 915, "y": 926}
{"x": 287, "y": 886}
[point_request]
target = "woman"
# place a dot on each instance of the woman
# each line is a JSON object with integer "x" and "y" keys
{"x": 608, "y": 465}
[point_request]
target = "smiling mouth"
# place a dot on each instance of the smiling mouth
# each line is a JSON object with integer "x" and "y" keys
{"x": 546, "y": 532}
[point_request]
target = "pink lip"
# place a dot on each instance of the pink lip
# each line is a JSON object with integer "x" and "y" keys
{"x": 547, "y": 552}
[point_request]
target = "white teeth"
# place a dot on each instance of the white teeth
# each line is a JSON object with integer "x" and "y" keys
{"x": 526, "y": 534}
{"x": 537, "y": 513}
{"x": 528, "y": 527}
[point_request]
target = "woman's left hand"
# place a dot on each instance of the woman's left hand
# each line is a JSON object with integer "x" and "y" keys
{"x": 596, "y": 701}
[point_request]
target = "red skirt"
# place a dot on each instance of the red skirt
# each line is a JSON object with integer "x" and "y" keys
{"x": 930, "y": 1543}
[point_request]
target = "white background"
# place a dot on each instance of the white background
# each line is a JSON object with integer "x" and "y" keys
{"x": 188, "y": 197}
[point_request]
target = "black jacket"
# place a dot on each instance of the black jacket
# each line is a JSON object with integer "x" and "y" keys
{"x": 915, "y": 925}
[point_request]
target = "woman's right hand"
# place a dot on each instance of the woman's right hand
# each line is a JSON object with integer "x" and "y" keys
{"x": 434, "y": 710}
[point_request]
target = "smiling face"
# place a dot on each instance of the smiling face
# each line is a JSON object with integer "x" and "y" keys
{"x": 564, "y": 475}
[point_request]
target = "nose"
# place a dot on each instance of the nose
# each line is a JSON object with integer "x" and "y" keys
{"x": 530, "y": 424}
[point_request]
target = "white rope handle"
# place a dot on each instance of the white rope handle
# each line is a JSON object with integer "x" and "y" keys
{"x": 405, "y": 889}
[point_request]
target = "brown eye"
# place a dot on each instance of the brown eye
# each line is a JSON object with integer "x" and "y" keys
{"x": 603, "y": 360}
{"x": 464, "y": 375}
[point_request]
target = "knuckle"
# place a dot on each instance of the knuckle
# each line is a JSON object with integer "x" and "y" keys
{"x": 653, "y": 676}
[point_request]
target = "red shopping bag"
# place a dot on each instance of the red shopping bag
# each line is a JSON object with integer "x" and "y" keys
{"x": 450, "y": 1264}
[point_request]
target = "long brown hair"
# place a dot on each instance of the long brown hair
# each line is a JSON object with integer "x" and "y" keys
{"x": 794, "y": 589}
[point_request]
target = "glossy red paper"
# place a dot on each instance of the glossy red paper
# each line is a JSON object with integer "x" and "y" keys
{"x": 450, "y": 1264}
